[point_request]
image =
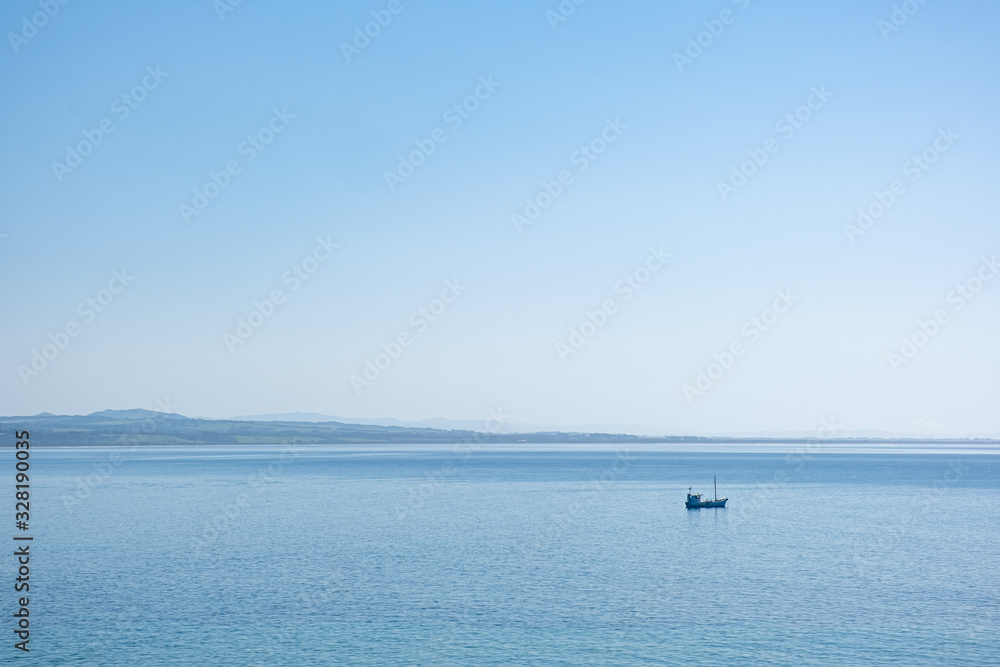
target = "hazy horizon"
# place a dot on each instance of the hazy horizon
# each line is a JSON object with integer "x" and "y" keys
{"x": 485, "y": 207}
{"x": 498, "y": 421}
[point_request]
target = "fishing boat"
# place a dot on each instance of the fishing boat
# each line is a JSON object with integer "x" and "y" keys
{"x": 694, "y": 500}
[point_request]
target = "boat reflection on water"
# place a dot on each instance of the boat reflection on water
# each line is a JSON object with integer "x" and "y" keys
{"x": 694, "y": 500}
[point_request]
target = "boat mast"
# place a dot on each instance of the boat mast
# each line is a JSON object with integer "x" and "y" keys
{"x": 716, "y": 485}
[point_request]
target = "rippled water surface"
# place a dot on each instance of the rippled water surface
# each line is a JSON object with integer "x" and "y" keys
{"x": 262, "y": 556}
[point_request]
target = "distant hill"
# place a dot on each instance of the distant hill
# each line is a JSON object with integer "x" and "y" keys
{"x": 435, "y": 422}
{"x": 135, "y": 413}
{"x": 146, "y": 427}
{"x": 630, "y": 429}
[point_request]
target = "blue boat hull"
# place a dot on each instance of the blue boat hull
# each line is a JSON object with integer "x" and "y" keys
{"x": 721, "y": 502}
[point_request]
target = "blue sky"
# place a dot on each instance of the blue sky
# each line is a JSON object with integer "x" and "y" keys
{"x": 345, "y": 124}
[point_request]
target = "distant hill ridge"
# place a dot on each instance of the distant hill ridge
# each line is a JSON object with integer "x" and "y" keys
{"x": 149, "y": 427}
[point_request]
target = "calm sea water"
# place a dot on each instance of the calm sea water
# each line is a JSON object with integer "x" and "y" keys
{"x": 330, "y": 555}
